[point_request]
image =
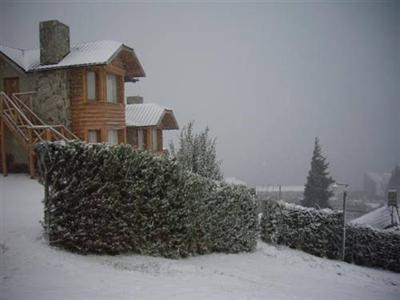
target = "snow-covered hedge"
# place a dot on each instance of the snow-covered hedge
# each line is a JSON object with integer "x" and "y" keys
{"x": 375, "y": 248}
{"x": 319, "y": 232}
{"x": 103, "y": 199}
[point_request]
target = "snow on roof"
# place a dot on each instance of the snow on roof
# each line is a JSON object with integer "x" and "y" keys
{"x": 284, "y": 188}
{"x": 94, "y": 53}
{"x": 147, "y": 114}
{"x": 22, "y": 57}
{"x": 380, "y": 218}
{"x": 234, "y": 180}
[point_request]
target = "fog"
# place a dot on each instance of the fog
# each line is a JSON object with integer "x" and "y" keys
{"x": 266, "y": 78}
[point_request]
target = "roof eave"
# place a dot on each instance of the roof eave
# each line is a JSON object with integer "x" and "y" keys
{"x": 64, "y": 67}
{"x": 12, "y": 62}
{"x": 141, "y": 72}
{"x": 171, "y": 112}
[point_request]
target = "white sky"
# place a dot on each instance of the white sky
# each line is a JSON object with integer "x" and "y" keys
{"x": 266, "y": 77}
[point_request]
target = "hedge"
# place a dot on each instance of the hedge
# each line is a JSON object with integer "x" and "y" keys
{"x": 319, "y": 232}
{"x": 112, "y": 199}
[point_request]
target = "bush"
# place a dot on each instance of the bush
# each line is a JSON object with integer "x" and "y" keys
{"x": 374, "y": 248}
{"x": 103, "y": 199}
{"x": 319, "y": 232}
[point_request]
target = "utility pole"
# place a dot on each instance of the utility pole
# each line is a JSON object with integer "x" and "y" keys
{"x": 345, "y": 185}
{"x": 344, "y": 225}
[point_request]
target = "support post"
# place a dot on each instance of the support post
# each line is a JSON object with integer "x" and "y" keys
{"x": 30, "y": 155}
{"x": 48, "y": 134}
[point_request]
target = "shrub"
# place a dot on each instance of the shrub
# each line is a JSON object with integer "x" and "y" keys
{"x": 319, "y": 232}
{"x": 113, "y": 199}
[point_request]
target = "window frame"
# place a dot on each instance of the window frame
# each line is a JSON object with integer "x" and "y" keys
{"x": 96, "y": 93}
{"x": 116, "y": 135}
{"x": 116, "y": 79}
{"x": 154, "y": 139}
{"x": 98, "y": 135}
{"x": 140, "y": 139}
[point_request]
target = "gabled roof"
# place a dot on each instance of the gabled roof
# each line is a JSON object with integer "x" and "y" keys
{"x": 95, "y": 53}
{"x": 150, "y": 115}
{"x": 379, "y": 218}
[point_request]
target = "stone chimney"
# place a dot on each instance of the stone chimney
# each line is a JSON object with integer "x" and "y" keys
{"x": 134, "y": 100}
{"x": 54, "y": 42}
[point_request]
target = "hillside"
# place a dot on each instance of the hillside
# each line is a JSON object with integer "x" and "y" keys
{"x": 30, "y": 269}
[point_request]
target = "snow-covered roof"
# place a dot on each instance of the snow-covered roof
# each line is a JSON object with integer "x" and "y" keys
{"x": 284, "y": 188}
{"x": 380, "y": 218}
{"x": 150, "y": 115}
{"x": 94, "y": 53}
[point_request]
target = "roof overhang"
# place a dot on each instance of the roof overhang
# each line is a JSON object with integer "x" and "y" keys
{"x": 81, "y": 55}
{"x": 168, "y": 121}
{"x": 12, "y": 63}
{"x": 132, "y": 65}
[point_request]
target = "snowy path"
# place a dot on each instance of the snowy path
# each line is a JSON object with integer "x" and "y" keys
{"x": 32, "y": 270}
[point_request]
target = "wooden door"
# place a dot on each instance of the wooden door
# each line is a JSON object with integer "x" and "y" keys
{"x": 11, "y": 85}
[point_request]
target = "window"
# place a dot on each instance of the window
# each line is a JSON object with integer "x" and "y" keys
{"x": 113, "y": 136}
{"x": 111, "y": 88}
{"x": 93, "y": 136}
{"x": 140, "y": 139}
{"x": 91, "y": 85}
{"x": 154, "y": 138}
{"x": 159, "y": 140}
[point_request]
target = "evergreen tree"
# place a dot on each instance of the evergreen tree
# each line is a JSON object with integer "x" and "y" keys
{"x": 317, "y": 189}
{"x": 197, "y": 153}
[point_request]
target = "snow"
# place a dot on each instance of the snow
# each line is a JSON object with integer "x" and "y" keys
{"x": 99, "y": 52}
{"x": 380, "y": 218}
{"x": 30, "y": 269}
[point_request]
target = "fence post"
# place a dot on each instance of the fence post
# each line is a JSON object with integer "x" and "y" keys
{"x": 344, "y": 226}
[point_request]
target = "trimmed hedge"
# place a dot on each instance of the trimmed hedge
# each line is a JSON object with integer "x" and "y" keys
{"x": 319, "y": 232}
{"x": 113, "y": 199}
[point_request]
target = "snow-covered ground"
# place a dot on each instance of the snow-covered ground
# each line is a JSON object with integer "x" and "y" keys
{"x": 30, "y": 269}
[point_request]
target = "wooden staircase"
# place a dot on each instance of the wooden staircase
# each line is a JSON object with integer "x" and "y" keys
{"x": 27, "y": 128}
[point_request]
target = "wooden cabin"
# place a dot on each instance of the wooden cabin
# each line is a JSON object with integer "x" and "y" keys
{"x": 146, "y": 122}
{"x": 78, "y": 90}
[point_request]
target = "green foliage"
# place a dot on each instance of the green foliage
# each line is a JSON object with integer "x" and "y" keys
{"x": 319, "y": 232}
{"x": 313, "y": 231}
{"x": 112, "y": 199}
{"x": 317, "y": 189}
{"x": 197, "y": 153}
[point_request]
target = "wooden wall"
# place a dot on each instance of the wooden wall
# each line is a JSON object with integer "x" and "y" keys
{"x": 132, "y": 138}
{"x": 98, "y": 114}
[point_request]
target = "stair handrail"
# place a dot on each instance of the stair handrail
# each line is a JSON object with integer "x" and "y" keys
{"x": 42, "y": 123}
{"x": 29, "y": 110}
{"x": 12, "y": 103}
{"x": 9, "y": 101}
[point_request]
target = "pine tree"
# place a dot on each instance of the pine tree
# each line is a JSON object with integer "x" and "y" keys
{"x": 197, "y": 153}
{"x": 317, "y": 189}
